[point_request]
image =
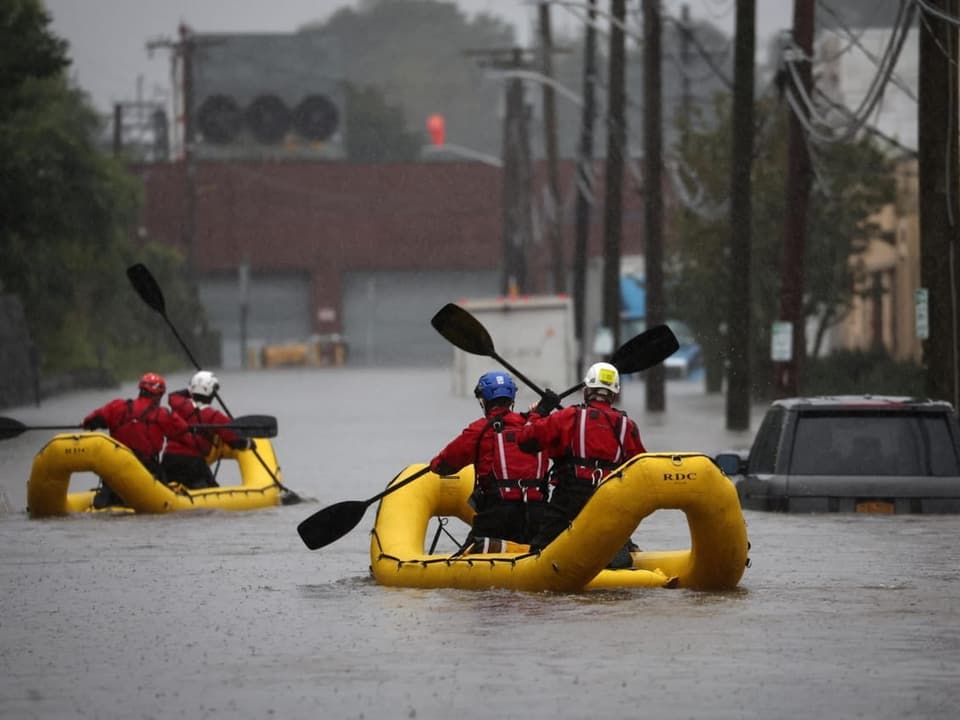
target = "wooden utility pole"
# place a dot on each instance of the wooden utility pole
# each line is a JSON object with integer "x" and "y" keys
{"x": 653, "y": 188}
{"x": 554, "y": 219}
{"x": 585, "y": 185}
{"x": 741, "y": 219}
{"x": 517, "y": 227}
{"x": 616, "y": 147}
{"x": 787, "y": 372}
{"x": 517, "y": 170}
{"x": 939, "y": 170}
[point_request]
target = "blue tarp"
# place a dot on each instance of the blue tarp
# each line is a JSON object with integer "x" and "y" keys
{"x": 633, "y": 297}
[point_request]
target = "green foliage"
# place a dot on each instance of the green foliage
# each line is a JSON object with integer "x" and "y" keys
{"x": 66, "y": 216}
{"x": 857, "y": 372}
{"x": 413, "y": 53}
{"x": 27, "y": 50}
{"x": 852, "y": 182}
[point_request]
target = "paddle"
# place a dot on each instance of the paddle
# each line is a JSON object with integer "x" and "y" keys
{"x": 464, "y": 331}
{"x": 149, "y": 290}
{"x": 255, "y": 426}
{"x": 335, "y": 521}
{"x": 639, "y": 353}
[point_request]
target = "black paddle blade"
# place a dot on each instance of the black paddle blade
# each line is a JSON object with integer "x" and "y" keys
{"x": 147, "y": 288}
{"x": 463, "y": 330}
{"x": 331, "y": 523}
{"x": 10, "y": 428}
{"x": 647, "y": 349}
{"x": 253, "y": 426}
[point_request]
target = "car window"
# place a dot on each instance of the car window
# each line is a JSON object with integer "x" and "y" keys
{"x": 873, "y": 443}
{"x": 763, "y": 455}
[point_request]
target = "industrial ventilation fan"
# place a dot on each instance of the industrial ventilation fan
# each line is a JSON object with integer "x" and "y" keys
{"x": 267, "y": 119}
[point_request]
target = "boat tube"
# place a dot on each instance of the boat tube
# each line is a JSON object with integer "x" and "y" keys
{"x": 576, "y": 560}
{"x": 48, "y": 487}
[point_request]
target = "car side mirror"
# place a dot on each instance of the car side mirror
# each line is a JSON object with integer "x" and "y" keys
{"x": 731, "y": 464}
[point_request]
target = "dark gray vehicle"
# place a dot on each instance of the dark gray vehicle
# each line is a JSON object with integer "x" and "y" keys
{"x": 851, "y": 453}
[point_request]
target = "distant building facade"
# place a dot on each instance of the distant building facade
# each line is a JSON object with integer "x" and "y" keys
{"x": 366, "y": 252}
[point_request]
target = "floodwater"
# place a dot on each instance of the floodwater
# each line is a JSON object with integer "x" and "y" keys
{"x": 228, "y": 615}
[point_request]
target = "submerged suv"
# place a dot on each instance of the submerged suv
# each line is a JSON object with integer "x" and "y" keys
{"x": 853, "y": 453}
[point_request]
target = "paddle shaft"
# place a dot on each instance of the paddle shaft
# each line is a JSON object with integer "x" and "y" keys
{"x": 529, "y": 383}
{"x": 334, "y": 521}
{"x": 393, "y": 488}
{"x": 149, "y": 291}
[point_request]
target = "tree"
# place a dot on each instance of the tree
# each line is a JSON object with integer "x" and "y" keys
{"x": 67, "y": 212}
{"x": 412, "y": 52}
{"x": 852, "y": 182}
{"x": 376, "y": 132}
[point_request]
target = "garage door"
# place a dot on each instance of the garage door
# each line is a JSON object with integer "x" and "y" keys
{"x": 386, "y": 315}
{"x": 278, "y": 311}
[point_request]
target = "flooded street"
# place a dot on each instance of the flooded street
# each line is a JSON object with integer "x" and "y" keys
{"x": 228, "y": 615}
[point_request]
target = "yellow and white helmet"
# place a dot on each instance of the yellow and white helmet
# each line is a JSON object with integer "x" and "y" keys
{"x": 603, "y": 376}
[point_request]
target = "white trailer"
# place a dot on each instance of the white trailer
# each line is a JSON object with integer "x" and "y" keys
{"x": 535, "y": 334}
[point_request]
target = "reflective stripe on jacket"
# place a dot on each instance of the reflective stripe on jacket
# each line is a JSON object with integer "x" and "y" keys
{"x": 501, "y": 468}
{"x": 585, "y": 441}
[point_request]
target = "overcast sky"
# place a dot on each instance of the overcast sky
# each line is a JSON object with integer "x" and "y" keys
{"x": 108, "y": 38}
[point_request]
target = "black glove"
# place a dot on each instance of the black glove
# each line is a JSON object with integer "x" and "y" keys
{"x": 95, "y": 423}
{"x": 548, "y": 403}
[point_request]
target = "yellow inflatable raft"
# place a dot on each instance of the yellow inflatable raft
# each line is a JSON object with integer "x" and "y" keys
{"x": 576, "y": 560}
{"x": 48, "y": 488}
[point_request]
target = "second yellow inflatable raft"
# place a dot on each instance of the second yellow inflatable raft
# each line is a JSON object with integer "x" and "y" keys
{"x": 48, "y": 487}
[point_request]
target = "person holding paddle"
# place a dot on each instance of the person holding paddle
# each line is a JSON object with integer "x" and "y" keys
{"x": 508, "y": 496}
{"x": 585, "y": 442}
{"x": 142, "y": 424}
{"x": 185, "y": 459}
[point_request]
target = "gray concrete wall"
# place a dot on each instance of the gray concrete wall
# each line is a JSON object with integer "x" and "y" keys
{"x": 20, "y": 380}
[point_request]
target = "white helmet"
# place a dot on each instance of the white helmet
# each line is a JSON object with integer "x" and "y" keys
{"x": 603, "y": 376}
{"x": 204, "y": 383}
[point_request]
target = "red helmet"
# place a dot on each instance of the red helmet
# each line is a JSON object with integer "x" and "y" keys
{"x": 153, "y": 384}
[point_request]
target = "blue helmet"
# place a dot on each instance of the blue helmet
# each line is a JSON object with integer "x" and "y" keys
{"x": 493, "y": 385}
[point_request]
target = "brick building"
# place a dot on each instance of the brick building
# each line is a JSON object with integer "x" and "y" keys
{"x": 366, "y": 251}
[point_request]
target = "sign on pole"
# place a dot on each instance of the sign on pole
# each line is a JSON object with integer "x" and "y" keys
{"x": 781, "y": 342}
{"x": 921, "y": 309}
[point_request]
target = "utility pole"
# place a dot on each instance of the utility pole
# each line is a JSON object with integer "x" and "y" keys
{"x": 517, "y": 170}
{"x": 554, "y": 216}
{"x": 183, "y": 49}
{"x": 939, "y": 210}
{"x": 585, "y": 186}
{"x": 616, "y": 147}
{"x": 787, "y": 372}
{"x": 685, "y": 30}
{"x": 653, "y": 186}
{"x": 741, "y": 219}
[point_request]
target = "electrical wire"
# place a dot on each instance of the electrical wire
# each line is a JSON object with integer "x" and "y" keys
{"x": 820, "y": 127}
